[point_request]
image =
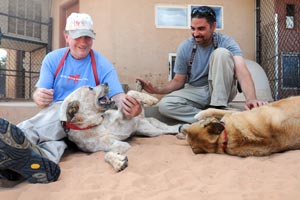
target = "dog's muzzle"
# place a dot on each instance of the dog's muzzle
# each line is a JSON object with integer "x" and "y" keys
{"x": 106, "y": 103}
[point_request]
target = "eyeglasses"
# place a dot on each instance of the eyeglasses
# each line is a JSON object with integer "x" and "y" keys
{"x": 203, "y": 11}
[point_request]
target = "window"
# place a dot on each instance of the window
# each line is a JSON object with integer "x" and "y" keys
{"x": 176, "y": 16}
{"x": 290, "y": 16}
{"x": 290, "y": 70}
{"x": 170, "y": 16}
{"x": 25, "y": 18}
{"x": 172, "y": 57}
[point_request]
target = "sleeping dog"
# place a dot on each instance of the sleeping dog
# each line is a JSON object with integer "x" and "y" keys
{"x": 94, "y": 125}
{"x": 271, "y": 128}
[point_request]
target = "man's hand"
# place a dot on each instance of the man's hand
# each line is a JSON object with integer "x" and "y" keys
{"x": 147, "y": 86}
{"x": 130, "y": 107}
{"x": 254, "y": 104}
{"x": 43, "y": 97}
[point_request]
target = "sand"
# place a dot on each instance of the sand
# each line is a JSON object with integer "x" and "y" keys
{"x": 165, "y": 168}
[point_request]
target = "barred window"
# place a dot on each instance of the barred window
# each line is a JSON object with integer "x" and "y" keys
{"x": 290, "y": 16}
{"x": 25, "y": 18}
{"x": 290, "y": 70}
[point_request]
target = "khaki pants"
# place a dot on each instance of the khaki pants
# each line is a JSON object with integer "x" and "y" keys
{"x": 185, "y": 103}
{"x": 45, "y": 131}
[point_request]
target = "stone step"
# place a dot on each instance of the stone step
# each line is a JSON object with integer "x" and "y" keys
{"x": 16, "y": 112}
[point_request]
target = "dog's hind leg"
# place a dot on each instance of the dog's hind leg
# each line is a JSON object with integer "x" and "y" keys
{"x": 116, "y": 155}
{"x": 116, "y": 160}
{"x": 152, "y": 127}
{"x": 115, "y": 149}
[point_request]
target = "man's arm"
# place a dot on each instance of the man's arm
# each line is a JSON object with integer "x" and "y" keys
{"x": 176, "y": 83}
{"x": 244, "y": 77}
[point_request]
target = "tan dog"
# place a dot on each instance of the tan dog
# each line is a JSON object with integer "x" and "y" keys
{"x": 271, "y": 128}
{"x": 93, "y": 125}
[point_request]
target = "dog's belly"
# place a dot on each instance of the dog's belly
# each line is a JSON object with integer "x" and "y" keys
{"x": 102, "y": 136}
{"x": 120, "y": 129}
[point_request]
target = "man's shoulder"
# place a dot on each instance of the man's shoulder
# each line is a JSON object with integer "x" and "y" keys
{"x": 223, "y": 37}
{"x": 229, "y": 43}
{"x": 102, "y": 60}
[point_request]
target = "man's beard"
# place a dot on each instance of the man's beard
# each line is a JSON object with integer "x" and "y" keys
{"x": 203, "y": 41}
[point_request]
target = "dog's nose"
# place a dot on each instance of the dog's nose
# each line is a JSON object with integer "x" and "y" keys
{"x": 106, "y": 88}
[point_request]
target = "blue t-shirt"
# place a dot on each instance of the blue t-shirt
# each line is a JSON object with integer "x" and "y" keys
{"x": 76, "y": 73}
{"x": 199, "y": 70}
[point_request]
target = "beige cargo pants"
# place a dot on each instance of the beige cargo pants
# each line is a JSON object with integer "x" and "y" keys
{"x": 185, "y": 103}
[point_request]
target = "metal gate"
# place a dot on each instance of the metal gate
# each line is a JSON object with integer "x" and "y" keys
{"x": 278, "y": 45}
{"x": 25, "y": 36}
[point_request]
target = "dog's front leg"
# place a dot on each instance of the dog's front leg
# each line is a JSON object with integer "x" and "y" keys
{"x": 212, "y": 112}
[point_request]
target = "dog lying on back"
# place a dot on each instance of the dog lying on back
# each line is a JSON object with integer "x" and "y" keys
{"x": 271, "y": 128}
{"x": 93, "y": 125}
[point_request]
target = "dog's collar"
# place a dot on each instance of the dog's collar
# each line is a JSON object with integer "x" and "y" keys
{"x": 67, "y": 126}
{"x": 225, "y": 142}
{"x": 74, "y": 127}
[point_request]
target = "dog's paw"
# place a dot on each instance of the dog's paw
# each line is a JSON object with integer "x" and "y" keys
{"x": 143, "y": 97}
{"x": 116, "y": 160}
{"x": 180, "y": 136}
{"x": 205, "y": 114}
{"x": 199, "y": 116}
{"x": 72, "y": 109}
{"x": 150, "y": 100}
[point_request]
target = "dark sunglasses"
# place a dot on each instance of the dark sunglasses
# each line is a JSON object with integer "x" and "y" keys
{"x": 203, "y": 11}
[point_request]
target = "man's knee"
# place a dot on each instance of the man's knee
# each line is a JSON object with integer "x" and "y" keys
{"x": 221, "y": 58}
{"x": 222, "y": 53}
{"x": 163, "y": 105}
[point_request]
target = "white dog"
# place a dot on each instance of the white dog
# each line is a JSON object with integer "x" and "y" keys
{"x": 93, "y": 125}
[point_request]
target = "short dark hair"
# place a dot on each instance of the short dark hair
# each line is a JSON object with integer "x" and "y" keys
{"x": 204, "y": 12}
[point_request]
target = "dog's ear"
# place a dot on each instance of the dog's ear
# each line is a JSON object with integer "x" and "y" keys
{"x": 215, "y": 128}
{"x": 72, "y": 109}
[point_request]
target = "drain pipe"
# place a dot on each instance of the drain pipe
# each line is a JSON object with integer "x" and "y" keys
{"x": 258, "y": 31}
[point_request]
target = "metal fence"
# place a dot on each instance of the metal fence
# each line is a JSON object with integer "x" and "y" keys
{"x": 278, "y": 45}
{"x": 26, "y": 28}
{"x": 25, "y": 38}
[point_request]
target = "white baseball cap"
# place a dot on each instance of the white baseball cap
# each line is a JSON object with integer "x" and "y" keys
{"x": 80, "y": 24}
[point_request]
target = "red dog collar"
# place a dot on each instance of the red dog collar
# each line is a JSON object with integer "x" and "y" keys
{"x": 74, "y": 127}
{"x": 67, "y": 126}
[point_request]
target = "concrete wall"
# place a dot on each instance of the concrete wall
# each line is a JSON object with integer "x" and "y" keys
{"x": 128, "y": 37}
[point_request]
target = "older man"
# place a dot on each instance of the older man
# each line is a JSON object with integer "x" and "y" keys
{"x": 33, "y": 148}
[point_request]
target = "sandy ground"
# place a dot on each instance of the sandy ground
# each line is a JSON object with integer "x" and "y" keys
{"x": 165, "y": 168}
